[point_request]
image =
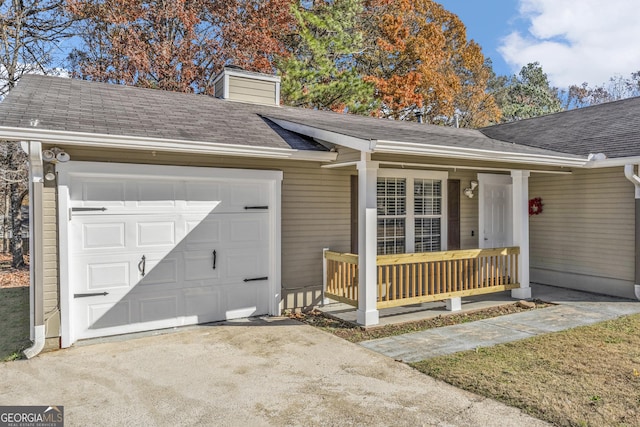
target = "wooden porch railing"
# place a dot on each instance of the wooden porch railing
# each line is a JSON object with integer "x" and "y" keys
{"x": 422, "y": 277}
{"x": 341, "y": 281}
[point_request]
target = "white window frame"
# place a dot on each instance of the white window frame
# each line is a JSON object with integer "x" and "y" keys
{"x": 410, "y": 175}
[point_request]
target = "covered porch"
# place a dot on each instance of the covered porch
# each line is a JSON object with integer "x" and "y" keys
{"x": 400, "y": 257}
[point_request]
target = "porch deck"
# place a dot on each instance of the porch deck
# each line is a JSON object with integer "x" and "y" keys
{"x": 417, "y": 312}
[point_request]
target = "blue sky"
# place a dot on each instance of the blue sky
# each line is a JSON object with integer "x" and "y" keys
{"x": 487, "y": 23}
{"x": 575, "y": 41}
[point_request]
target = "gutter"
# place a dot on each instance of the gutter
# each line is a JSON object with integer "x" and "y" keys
{"x": 410, "y": 148}
{"x": 57, "y": 137}
{"x": 36, "y": 183}
{"x": 629, "y": 173}
{"x": 613, "y": 162}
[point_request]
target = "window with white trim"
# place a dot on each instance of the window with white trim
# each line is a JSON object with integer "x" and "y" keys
{"x": 392, "y": 215}
{"x": 411, "y": 210}
{"x": 427, "y": 209}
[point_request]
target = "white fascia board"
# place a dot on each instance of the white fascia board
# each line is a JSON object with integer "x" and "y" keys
{"x": 359, "y": 144}
{"x": 170, "y": 145}
{"x": 397, "y": 147}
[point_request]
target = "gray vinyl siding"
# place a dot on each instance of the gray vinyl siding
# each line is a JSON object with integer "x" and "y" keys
{"x": 250, "y": 90}
{"x": 586, "y": 230}
{"x": 315, "y": 211}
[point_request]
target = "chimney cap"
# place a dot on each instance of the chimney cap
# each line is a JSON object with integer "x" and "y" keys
{"x": 236, "y": 70}
{"x": 237, "y": 84}
{"x": 234, "y": 67}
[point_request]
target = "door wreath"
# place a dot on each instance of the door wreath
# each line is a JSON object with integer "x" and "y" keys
{"x": 535, "y": 206}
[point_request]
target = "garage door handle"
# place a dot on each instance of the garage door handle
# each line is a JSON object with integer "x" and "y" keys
{"x": 142, "y": 264}
{"x": 255, "y": 279}
{"x": 214, "y": 259}
{"x": 95, "y": 294}
{"x": 256, "y": 207}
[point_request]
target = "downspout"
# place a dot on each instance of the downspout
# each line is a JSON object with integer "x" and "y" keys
{"x": 629, "y": 172}
{"x": 34, "y": 150}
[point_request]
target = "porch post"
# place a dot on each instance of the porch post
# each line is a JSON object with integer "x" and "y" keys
{"x": 367, "y": 313}
{"x": 520, "y": 181}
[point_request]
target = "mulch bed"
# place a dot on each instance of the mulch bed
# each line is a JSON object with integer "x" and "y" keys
{"x": 356, "y": 333}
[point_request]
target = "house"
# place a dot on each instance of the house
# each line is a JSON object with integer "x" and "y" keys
{"x": 154, "y": 209}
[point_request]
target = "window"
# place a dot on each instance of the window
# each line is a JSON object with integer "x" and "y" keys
{"x": 410, "y": 207}
{"x": 392, "y": 213}
{"x": 427, "y": 196}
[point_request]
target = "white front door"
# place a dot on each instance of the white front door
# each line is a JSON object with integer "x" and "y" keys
{"x": 152, "y": 251}
{"x": 495, "y": 211}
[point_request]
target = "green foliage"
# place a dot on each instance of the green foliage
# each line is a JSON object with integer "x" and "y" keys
{"x": 320, "y": 71}
{"x": 526, "y": 95}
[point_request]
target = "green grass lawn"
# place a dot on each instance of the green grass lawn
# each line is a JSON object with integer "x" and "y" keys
{"x": 587, "y": 376}
{"x": 14, "y": 322}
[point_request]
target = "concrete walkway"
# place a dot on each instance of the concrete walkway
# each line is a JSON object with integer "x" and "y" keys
{"x": 574, "y": 309}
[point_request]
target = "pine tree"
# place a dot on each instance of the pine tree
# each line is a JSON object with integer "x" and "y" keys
{"x": 320, "y": 72}
{"x": 528, "y": 95}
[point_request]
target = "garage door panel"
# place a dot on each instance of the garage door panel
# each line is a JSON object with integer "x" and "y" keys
{"x": 112, "y": 275}
{"x": 101, "y": 315}
{"x": 247, "y": 229}
{"x": 100, "y": 193}
{"x": 199, "y": 266}
{"x": 158, "y": 308}
{"x": 103, "y": 235}
{"x": 157, "y": 193}
{"x": 176, "y": 225}
{"x": 203, "y": 303}
{"x": 203, "y": 232}
{"x": 92, "y": 234}
{"x": 241, "y": 195}
{"x": 160, "y": 271}
{"x": 250, "y": 302}
{"x": 156, "y": 233}
{"x": 241, "y": 265}
{"x": 203, "y": 194}
{"x": 99, "y": 273}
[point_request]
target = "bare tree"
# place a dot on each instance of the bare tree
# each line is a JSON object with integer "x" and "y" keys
{"x": 14, "y": 174}
{"x": 30, "y": 31}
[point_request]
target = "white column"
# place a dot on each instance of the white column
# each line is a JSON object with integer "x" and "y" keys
{"x": 325, "y": 300}
{"x": 367, "y": 314}
{"x": 520, "y": 181}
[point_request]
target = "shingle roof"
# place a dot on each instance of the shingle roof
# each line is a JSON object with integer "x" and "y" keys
{"x": 60, "y": 104}
{"x": 89, "y": 107}
{"x": 610, "y": 128}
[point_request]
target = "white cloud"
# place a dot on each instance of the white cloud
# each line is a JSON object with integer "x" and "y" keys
{"x": 577, "y": 41}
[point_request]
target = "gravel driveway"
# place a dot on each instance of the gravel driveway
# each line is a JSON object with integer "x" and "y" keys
{"x": 247, "y": 373}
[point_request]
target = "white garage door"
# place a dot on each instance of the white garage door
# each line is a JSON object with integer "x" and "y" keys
{"x": 155, "y": 251}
